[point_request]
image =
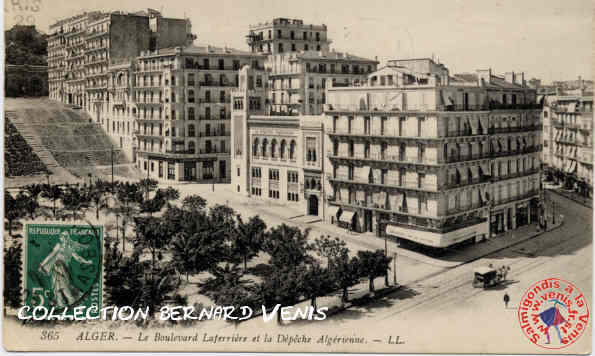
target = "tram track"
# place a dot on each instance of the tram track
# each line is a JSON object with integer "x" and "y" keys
{"x": 459, "y": 286}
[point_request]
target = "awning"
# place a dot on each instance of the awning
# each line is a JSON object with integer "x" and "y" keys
{"x": 475, "y": 172}
{"x": 572, "y": 107}
{"x": 485, "y": 167}
{"x": 346, "y": 216}
{"x": 572, "y": 167}
{"x": 333, "y": 210}
{"x": 502, "y": 143}
{"x": 474, "y": 125}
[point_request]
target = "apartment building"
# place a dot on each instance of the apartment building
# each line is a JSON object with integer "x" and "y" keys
{"x": 81, "y": 49}
{"x": 283, "y": 35}
{"x": 431, "y": 158}
{"x": 298, "y": 80}
{"x": 275, "y": 158}
{"x": 568, "y": 140}
{"x": 182, "y": 108}
{"x": 301, "y": 65}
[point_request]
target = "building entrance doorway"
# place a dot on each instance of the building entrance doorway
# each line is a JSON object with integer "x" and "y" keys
{"x": 368, "y": 224}
{"x": 313, "y": 205}
{"x": 189, "y": 171}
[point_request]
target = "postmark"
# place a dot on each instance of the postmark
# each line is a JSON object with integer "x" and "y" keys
{"x": 553, "y": 313}
{"x": 63, "y": 267}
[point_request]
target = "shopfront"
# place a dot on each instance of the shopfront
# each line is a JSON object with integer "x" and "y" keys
{"x": 474, "y": 233}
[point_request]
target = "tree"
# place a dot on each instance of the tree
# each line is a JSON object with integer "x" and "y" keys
{"x": 194, "y": 203}
{"x": 160, "y": 282}
{"x": 74, "y": 199}
{"x": 12, "y": 275}
{"x": 152, "y": 205}
{"x": 13, "y": 210}
{"x": 288, "y": 246}
{"x": 28, "y": 203}
{"x": 168, "y": 194}
{"x": 316, "y": 281}
{"x": 52, "y": 192}
{"x": 373, "y": 264}
{"x": 345, "y": 273}
{"x": 147, "y": 185}
{"x": 248, "y": 239}
{"x": 329, "y": 248}
{"x": 98, "y": 196}
{"x": 282, "y": 287}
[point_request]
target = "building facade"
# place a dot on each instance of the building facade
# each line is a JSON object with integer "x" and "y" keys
{"x": 431, "y": 158}
{"x": 568, "y": 140}
{"x": 301, "y": 65}
{"x": 283, "y": 35}
{"x": 81, "y": 49}
{"x": 182, "y": 110}
{"x": 276, "y": 158}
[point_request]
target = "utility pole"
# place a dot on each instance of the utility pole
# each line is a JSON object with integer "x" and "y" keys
{"x": 395, "y": 269}
{"x": 112, "y": 156}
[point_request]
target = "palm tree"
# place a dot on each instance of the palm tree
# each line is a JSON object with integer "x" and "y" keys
{"x": 52, "y": 192}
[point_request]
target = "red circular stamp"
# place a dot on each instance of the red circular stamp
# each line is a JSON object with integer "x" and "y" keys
{"x": 553, "y": 313}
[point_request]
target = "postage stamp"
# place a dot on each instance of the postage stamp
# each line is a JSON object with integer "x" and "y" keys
{"x": 553, "y": 313}
{"x": 63, "y": 267}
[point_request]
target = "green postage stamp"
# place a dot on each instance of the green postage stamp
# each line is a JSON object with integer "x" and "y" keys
{"x": 63, "y": 267}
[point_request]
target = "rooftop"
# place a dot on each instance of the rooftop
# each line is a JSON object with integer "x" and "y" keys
{"x": 198, "y": 50}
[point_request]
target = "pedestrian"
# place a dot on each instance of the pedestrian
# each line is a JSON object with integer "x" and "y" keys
{"x": 506, "y": 300}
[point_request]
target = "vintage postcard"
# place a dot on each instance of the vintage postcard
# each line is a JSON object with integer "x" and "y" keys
{"x": 277, "y": 176}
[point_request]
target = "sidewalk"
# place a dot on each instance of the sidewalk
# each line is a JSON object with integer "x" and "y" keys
{"x": 569, "y": 194}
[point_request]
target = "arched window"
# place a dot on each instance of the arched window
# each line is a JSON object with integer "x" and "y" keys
{"x": 282, "y": 151}
{"x": 292, "y": 150}
{"x": 190, "y": 96}
{"x": 191, "y": 147}
{"x": 265, "y": 142}
{"x": 255, "y": 147}
{"x": 273, "y": 148}
{"x": 191, "y": 132}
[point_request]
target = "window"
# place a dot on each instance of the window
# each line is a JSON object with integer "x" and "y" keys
{"x": 256, "y": 172}
{"x": 273, "y": 174}
{"x": 420, "y": 125}
{"x": 274, "y": 194}
{"x": 190, "y": 96}
{"x": 255, "y": 146}
{"x": 292, "y": 177}
{"x": 191, "y": 114}
{"x": 191, "y": 132}
{"x": 256, "y": 191}
{"x": 221, "y": 64}
{"x": 292, "y": 196}
{"x": 421, "y": 177}
{"x": 292, "y": 150}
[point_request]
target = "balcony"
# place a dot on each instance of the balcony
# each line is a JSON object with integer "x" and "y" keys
{"x": 214, "y": 133}
{"x": 500, "y": 130}
{"x": 526, "y": 195}
{"x": 524, "y": 173}
{"x": 213, "y": 151}
{"x": 383, "y": 158}
{"x": 386, "y": 183}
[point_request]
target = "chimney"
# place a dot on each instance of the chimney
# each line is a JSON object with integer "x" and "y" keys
{"x": 484, "y": 76}
{"x": 519, "y": 78}
{"x": 510, "y": 77}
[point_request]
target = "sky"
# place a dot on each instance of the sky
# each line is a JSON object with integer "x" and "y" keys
{"x": 546, "y": 39}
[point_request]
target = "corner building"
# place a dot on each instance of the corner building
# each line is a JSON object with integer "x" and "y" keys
{"x": 431, "y": 158}
{"x": 568, "y": 140}
{"x": 182, "y": 111}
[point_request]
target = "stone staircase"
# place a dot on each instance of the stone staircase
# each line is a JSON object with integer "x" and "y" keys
{"x": 32, "y": 140}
